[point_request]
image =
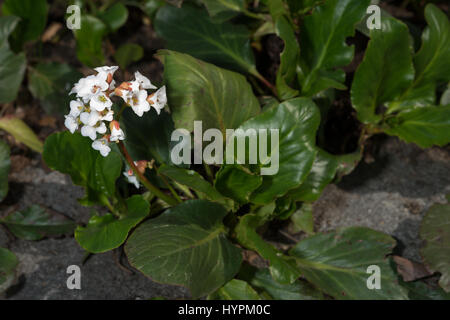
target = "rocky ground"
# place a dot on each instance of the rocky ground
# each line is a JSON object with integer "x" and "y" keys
{"x": 390, "y": 194}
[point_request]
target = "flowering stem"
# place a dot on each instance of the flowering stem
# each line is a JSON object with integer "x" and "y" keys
{"x": 143, "y": 179}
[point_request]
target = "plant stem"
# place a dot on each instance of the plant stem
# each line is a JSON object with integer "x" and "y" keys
{"x": 163, "y": 178}
{"x": 155, "y": 190}
{"x": 265, "y": 82}
{"x": 208, "y": 172}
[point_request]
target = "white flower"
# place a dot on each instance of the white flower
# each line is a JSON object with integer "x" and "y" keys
{"x": 102, "y": 146}
{"x": 105, "y": 71}
{"x": 76, "y": 107}
{"x": 87, "y": 87}
{"x": 109, "y": 116}
{"x": 143, "y": 81}
{"x": 138, "y": 102}
{"x": 158, "y": 99}
{"x": 71, "y": 123}
{"x": 131, "y": 178}
{"x": 116, "y": 132}
{"x": 90, "y": 118}
{"x": 88, "y": 131}
{"x": 100, "y": 101}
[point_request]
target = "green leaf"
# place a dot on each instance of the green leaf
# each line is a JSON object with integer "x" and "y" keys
{"x": 321, "y": 174}
{"x": 115, "y": 16}
{"x": 303, "y": 219}
{"x": 421, "y": 291}
{"x": 8, "y": 264}
{"x": 187, "y": 246}
{"x": 297, "y": 121}
{"x": 445, "y": 98}
{"x": 424, "y": 126}
{"x": 236, "y": 290}
{"x": 104, "y": 233}
{"x": 33, "y": 18}
{"x": 195, "y": 181}
{"x": 323, "y": 44}
{"x": 435, "y": 230}
{"x": 72, "y": 154}
{"x": 50, "y": 83}
{"x": 89, "y": 41}
{"x": 385, "y": 72}
{"x": 222, "y": 10}
{"x": 289, "y": 59}
{"x": 5, "y": 164}
{"x": 199, "y": 91}
{"x": 147, "y": 137}
{"x": 12, "y": 69}
{"x": 191, "y": 31}
{"x": 21, "y": 132}
{"x": 127, "y": 54}
{"x": 282, "y": 268}
{"x": 237, "y": 183}
{"x": 430, "y": 62}
{"x": 7, "y": 26}
{"x": 34, "y": 223}
{"x": 261, "y": 280}
{"x": 337, "y": 263}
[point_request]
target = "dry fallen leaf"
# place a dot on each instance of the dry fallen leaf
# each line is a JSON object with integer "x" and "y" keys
{"x": 410, "y": 270}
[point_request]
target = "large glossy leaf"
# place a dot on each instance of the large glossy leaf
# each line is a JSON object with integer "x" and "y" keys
{"x": 262, "y": 280}
{"x": 235, "y": 290}
{"x": 424, "y": 126}
{"x": 89, "y": 41}
{"x": 199, "y": 91}
{"x": 115, "y": 16}
{"x": 385, "y": 72}
{"x": 430, "y": 62}
{"x": 323, "y": 44}
{"x": 33, "y": 17}
{"x": 147, "y": 137}
{"x": 221, "y": 10}
{"x": 337, "y": 263}
{"x": 4, "y": 169}
{"x": 8, "y": 264}
{"x": 21, "y": 132}
{"x": 50, "y": 83}
{"x": 321, "y": 174}
{"x": 34, "y": 223}
{"x": 7, "y": 26}
{"x": 435, "y": 230}
{"x": 289, "y": 59}
{"x": 236, "y": 182}
{"x": 186, "y": 245}
{"x": 104, "y": 233}
{"x": 195, "y": 181}
{"x": 12, "y": 69}
{"x": 297, "y": 121}
{"x": 191, "y": 31}
{"x": 282, "y": 268}
{"x": 73, "y": 154}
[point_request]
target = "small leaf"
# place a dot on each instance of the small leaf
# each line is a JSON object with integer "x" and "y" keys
{"x": 236, "y": 290}
{"x": 115, "y": 16}
{"x": 33, "y": 17}
{"x": 323, "y": 44}
{"x": 5, "y": 164}
{"x": 303, "y": 219}
{"x": 8, "y": 264}
{"x": 104, "y": 233}
{"x": 89, "y": 41}
{"x": 282, "y": 268}
{"x": 7, "y": 26}
{"x": 12, "y": 69}
{"x": 51, "y": 83}
{"x": 127, "y": 54}
{"x": 21, "y": 132}
{"x": 222, "y": 10}
{"x": 187, "y": 246}
{"x": 73, "y": 154}
{"x": 34, "y": 223}
{"x": 337, "y": 263}
{"x": 234, "y": 182}
{"x": 435, "y": 230}
{"x": 199, "y": 91}
{"x": 424, "y": 126}
{"x": 385, "y": 72}
{"x": 421, "y": 291}
{"x": 445, "y": 98}
{"x": 190, "y": 30}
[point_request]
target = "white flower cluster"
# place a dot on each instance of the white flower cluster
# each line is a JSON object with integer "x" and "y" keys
{"x": 93, "y": 105}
